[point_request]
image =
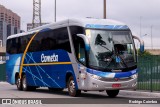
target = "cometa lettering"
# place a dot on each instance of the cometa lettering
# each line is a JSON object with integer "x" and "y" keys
{"x": 51, "y": 58}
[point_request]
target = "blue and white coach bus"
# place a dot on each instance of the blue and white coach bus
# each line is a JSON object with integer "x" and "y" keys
{"x": 78, "y": 54}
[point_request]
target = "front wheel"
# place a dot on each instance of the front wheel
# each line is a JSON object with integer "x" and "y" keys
{"x": 72, "y": 89}
{"x": 112, "y": 93}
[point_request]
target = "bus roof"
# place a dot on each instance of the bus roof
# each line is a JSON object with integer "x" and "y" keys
{"x": 87, "y": 23}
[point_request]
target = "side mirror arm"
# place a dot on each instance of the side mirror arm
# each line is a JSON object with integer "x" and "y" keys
{"x": 86, "y": 41}
{"x": 141, "y": 43}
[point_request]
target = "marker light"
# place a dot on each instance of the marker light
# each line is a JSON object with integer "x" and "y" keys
{"x": 83, "y": 75}
{"x": 96, "y": 77}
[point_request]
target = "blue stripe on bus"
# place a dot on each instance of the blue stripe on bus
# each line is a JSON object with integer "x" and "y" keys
{"x": 111, "y": 27}
{"x": 112, "y": 74}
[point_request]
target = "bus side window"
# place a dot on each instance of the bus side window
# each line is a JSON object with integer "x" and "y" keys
{"x": 14, "y": 46}
{"x": 81, "y": 50}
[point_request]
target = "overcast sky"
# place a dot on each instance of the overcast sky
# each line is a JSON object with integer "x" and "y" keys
{"x": 127, "y": 11}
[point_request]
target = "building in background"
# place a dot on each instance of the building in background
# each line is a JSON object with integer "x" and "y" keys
{"x": 30, "y": 25}
{"x": 9, "y": 24}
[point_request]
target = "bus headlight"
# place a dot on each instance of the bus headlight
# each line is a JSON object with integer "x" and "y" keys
{"x": 96, "y": 77}
{"x": 134, "y": 76}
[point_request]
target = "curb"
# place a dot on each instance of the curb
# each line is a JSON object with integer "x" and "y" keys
{"x": 140, "y": 93}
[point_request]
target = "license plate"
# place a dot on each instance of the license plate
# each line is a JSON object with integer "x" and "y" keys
{"x": 116, "y": 85}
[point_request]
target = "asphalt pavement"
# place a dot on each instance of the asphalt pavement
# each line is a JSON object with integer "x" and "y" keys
{"x": 126, "y": 98}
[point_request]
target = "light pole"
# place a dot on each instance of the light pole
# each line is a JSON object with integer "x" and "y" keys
{"x": 151, "y": 38}
{"x": 104, "y": 11}
{"x": 55, "y": 12}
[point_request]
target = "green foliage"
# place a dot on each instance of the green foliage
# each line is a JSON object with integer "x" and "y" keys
{"x": 145, "y": 53}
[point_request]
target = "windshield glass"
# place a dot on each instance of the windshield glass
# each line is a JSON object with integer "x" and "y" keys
{"x": 111, "y": 49}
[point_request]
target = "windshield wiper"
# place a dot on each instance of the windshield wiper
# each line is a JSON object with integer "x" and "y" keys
{"x": 106, "y": 48}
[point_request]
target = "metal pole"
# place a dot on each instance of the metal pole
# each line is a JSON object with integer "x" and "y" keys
{"x": 1, "y": 43}
{"x": 151, "y": 39}
{"x": 104, "y": 3}
{"x": 40, "y": 20}
{"x": 55, "y": 12}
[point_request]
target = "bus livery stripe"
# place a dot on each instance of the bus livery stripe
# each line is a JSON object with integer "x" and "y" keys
{"x": 23, "y": 57}
{"x": 53, "y": 63}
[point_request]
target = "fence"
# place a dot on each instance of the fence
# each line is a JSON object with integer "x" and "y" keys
{"x": 2, "y": 72}
{"x": 149, "y": 75}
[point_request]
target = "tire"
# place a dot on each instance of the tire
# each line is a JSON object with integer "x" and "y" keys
{"x": 56, "y": 89}
{"x": 25, "y": 86}
{"x": 112, "y": 93}
{"x": 24, "y": 83}
{"x": 72, "y": 89}
{"x": 19, "y": 83}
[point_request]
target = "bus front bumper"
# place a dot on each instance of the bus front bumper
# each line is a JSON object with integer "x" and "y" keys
{"x": 93, "y": 83}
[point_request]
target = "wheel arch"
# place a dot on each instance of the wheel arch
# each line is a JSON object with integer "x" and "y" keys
{"x": 68, "y": 74}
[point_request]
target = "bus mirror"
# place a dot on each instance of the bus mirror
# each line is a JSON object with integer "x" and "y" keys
{"x": 141, "y": 43}
{"x": 86, "y": 41}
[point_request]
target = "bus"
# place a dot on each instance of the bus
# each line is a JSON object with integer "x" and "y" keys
{"x": 77, "y": 54}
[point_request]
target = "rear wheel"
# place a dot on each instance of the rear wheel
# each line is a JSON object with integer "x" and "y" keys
{"x": 112, "y": 93}
{"x": 25, "y": 86}
{"x": 71, "y": 88}
{"x": 24, "y": 83}
{"x": 19, "y": 83}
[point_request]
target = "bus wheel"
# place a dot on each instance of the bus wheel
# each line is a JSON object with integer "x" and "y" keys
{"x": 19, "y": 83}
{"x": 72, "y": 89}
{"x": 112, "y": 93}
{"x": 24, "y": 83}
{"x": 25, "y": 87}
{"x": 55, "y": 89}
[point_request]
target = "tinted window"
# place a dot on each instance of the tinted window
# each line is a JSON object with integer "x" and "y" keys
{"x": 17, "y": 45}
{"x": 62, "y": 39}
{"x": 43, "y": 41}
{"x": 51, "y": 40}
{"x": 14, "y": 46}
{"x": 74, "y": 31}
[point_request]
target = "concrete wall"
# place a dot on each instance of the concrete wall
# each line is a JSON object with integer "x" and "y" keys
{"x": 2, "y": 49}
{"x": 154, "y": 51}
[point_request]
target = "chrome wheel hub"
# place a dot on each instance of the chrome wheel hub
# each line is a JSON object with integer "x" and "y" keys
{"x": 18, "y": 82}
{"x": 71, "y": 86}
{"x": 24, "y": 83}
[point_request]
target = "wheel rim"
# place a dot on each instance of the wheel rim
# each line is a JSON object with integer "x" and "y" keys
{"x": 18, "y": 83}
{"x": 72, "y": 86}
{"x": 24, "y": 83}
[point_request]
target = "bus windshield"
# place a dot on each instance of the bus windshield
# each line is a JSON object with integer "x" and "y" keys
{"x": 111, "y": 49}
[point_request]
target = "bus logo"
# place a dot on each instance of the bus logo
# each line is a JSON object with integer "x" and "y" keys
{"x": 49, "y": 58}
